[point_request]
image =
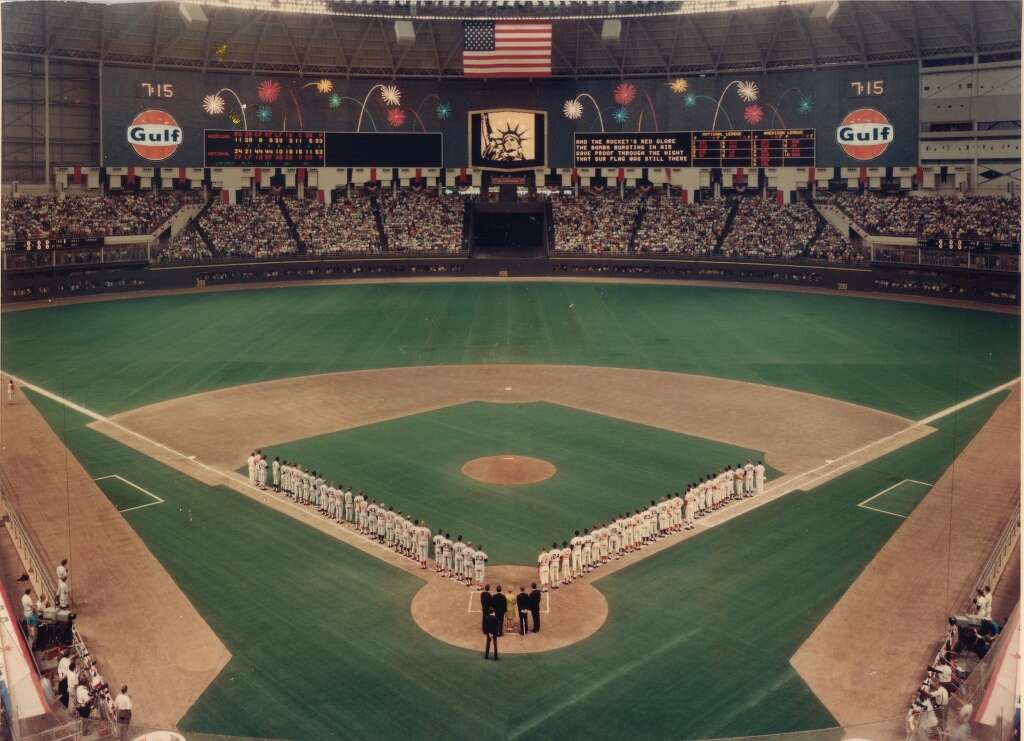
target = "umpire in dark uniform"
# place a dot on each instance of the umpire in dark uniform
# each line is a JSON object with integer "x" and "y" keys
{"x": 523, "y": 607}
{"x": 491, "y": 626}
{"x": 535, "y": 607}
{"x": 485, "y": 606}
{"x": 500, "y": 608}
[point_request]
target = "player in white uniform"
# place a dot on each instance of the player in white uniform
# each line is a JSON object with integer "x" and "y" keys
{"x": 690, "y": 508}
{"x": 349, "y": 508}
{"x": 446, "y": 555}
{"x": 252, "y": 468}
{"x": 423, "y": 538}
{"x": 544, "y": 568}
{"x": 458, "y": 551}
{"x": 577, "y": 555}
{"x": 439, "y": 551}
{"x": 738, "y": 482}
{"x": 587, "y": 555}
{"x": 479, "y": 566}
{"x": 564, "y": 563}
{"x": 759, "y": 478}
{"x": 275, "y": 473}
{"x": 614, "y": 532}
{"x": 468, "y": 564}
{"x": 360, "y": 514}
{"x": 261, "y": 472}
{"x": 554, "y": 557}
{"x": 603, "y": 536}
{"x": 748, "y": 479}
{"x": 371, "y": 519}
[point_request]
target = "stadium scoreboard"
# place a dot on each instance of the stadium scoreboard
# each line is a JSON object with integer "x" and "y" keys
{"x": 250, "y": 148}
{"x": 748, "y": 148}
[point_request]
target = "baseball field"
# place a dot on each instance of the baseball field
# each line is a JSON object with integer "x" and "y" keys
{"x": 626, "y": 392}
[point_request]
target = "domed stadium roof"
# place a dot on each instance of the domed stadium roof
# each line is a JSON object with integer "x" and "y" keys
{"x": 321, "y": 37}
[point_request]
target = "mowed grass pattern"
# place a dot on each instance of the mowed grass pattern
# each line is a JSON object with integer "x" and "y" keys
{"x": 605, "y": 467}
{"x": 909, "y": 359}
{"x": 696, "y": 644}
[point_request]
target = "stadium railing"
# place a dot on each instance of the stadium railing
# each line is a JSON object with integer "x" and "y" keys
{"x": 1005, "y": 548}
{"x": 43, "y": 583}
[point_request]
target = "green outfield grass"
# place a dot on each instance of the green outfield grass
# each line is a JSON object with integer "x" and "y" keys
{"x": 605, "y": 467}
{"x": 910, "y": 359}
{"x": 696, "y": 645}
{"x": 898, "y": 499}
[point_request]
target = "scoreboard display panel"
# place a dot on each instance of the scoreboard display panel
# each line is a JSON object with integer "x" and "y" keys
{"x": 243, "y": 148}
{"x": 749, "y": 148}
{"x": 671, "y": 149}
{"x": 352, "y": 149}
{"x": 247, "y": 148}
{"x": 767, "y": 148}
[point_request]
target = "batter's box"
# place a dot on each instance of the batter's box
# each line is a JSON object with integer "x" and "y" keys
{"x": 126, "y": 495}
{"x": 474, "y": 603}
{"x": 899, "y": 499}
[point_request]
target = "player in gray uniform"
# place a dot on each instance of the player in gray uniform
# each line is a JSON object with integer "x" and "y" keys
{"x": 446, "y": 555}
{"x": 349, "y": 509}
{"x": 468, "y": 560}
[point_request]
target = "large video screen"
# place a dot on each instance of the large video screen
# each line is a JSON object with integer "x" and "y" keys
{"x": 859, "y": 116}
{"x": 508, "y": 139}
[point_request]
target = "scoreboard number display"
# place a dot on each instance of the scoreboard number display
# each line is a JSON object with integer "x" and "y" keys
{"x": 247, "y": 148}
{"x": 747, "y": 148}
{"x": 233, "y": 148}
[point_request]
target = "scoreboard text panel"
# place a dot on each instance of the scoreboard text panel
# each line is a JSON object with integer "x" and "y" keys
{"x": 246, "y": 148}
{"x": 761, "y": 148}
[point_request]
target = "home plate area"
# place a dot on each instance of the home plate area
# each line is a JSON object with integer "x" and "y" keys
{"x": 450, "y": 612}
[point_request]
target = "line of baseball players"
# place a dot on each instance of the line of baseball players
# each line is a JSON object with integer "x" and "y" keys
{"x": 585, "y": 551}
{"x": 407, "y": 536}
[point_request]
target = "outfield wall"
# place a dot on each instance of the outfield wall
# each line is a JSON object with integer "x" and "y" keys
{"x": 957, "y": 284}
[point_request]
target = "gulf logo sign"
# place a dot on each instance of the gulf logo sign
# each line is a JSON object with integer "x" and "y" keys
{"x": 864, "y": 133}
{"x": 154, "y": 135}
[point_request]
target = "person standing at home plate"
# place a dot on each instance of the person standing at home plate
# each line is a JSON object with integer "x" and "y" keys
{"x": 759, "y": 478}
{"x": 544, "y": 568}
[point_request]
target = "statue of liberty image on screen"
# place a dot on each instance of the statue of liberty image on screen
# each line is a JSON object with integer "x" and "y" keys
{"x": 507, "y": 136}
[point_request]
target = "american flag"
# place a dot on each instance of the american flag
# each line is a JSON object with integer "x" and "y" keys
{"x": 506, "y": 49}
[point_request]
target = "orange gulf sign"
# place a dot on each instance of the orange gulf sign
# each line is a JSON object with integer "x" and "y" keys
{"x": 864, "y": 134}
{"x": 154, "y": 135}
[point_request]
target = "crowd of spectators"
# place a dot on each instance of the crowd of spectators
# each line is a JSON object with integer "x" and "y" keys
{"x": 422, "y": 221}
{"x": 594, "y": 222}
{"x": 979, "y": 217}
{"x": 253, "y": 227}
{"x": 764, "y": 229}
{"x": 187, "y": 246}
{"x": 670, "y": 226}
{"x": 92, "y": 215}
{"x": 834, "y": 247}
{"x": 346, "y": 225}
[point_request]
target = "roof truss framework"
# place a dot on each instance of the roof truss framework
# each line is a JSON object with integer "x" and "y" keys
{"x": 778, "y": 37}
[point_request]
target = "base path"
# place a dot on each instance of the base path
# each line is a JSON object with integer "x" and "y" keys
{"x": 867, "y": 656}
{"x": 797, "y": 431}
{"x": 140, "y": 627}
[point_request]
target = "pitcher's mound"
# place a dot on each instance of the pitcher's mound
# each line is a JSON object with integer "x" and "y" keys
{"x": 508, "y": 469}
{"x": 450, "y": 612}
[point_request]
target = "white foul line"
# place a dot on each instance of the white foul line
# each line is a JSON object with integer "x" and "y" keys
{"x": 864, "y": 504}
{"x": 134, "y": 486}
